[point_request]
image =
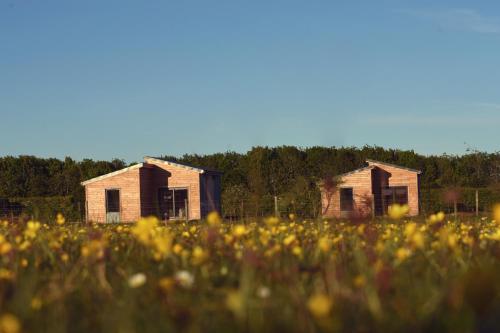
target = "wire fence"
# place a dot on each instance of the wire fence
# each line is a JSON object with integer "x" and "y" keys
{"x": 470, "y": 201}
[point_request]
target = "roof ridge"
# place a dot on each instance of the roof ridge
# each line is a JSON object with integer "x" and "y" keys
{"x": 111, "y": 174}
{"x": 185, "y": 166}
{"x": 368, "y": 160}
{"x": 354, "y": 171}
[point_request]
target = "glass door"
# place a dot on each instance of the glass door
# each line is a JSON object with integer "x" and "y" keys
{"x": 112, "y": 206}
{"x": 173, "y": 203}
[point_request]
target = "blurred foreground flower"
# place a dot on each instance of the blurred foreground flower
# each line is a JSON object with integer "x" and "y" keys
{"x": 213, "y": 219}
{"x": 263, "y": 292}
{"x": 402, "y": 254}
{"x": 137, "y": 280}
{"x": 319, "y": 305}
{"x": 397, "y": 212}
{"x": 60, "y": 220}
{"x": 435, "y": 218}
{"x": 5, "y": 246}
{"x": 31, "y": 229}
{"x": 184, "y": 279}
{"x": 496, "y": 212}
{"x": 235, "y": 303}
{"x": 143, "y": 230}
{"x": 9, "y": 324}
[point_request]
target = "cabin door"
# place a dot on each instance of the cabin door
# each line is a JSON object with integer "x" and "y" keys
{"x": 394, "y": 195}
{"x": 173, "y": 203}
{"x": 112, "y": 206}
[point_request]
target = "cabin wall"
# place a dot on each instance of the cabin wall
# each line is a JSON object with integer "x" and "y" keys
{"x": 361, "y": 184}
{"x": 130, "y": 197}
{"x": 210, "y": 193}
{"x": 402, "y": 177}
{"x": 180, "y": 177}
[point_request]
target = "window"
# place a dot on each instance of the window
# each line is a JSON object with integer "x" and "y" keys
{"x": 173, "y": 203}
{"x": 346, "y": 199}
{"x": 112, "y": 206}
{"x": 395, "y": 195}
{"x": 112, "y": 201}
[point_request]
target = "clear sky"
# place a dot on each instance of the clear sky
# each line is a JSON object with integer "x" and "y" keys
{"x": 105, "y": 79}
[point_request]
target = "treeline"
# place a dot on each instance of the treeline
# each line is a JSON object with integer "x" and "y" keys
{"x": 251, "y": 180}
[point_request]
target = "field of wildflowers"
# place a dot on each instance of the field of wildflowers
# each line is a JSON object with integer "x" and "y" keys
{"x": 391, "y": 274}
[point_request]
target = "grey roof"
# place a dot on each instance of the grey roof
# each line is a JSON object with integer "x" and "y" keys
{"x": 372, "y": 166}
{"x": 140, "y": 165}
{"x": 185, "y": 166}
{"x": 355, "y": 171}
{"x": 394, "y": 166}
{"x": 111, "y": 174}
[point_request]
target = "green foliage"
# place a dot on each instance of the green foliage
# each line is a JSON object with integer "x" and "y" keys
{"x": 251, "y": 180}
{"x": 47, "y": 208}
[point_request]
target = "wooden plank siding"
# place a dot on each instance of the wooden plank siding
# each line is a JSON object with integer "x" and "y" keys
{"x": 139, "y": 185}
{"x": 130, "y": 200}
{"x": 179, "y": 177}
{"x": 366, "y": 184}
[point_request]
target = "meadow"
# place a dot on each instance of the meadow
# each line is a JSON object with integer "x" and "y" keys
{"x": 273, "y": 275}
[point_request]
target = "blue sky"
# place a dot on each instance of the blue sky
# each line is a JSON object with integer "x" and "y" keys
{"x": 105, "y": 79}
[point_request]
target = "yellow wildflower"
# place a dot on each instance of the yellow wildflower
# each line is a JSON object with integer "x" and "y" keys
{"x": 235, "y": 303}
{"x": 144, "y": 229}
{"x": 5, "y": 274}
{"x": 435, "y": 218}
{"x": 9, "y": 323}
{"x": 289, "y": 240}
{"x": 319, "y": 305}
{"x": 198, "y": 256}
{"x": 402, "y": 254}
{"x": 214, "y": 219}
{"x": 24, "y": 262}
{"x": 359, "y": 281}
{"x": 177, "y": 248}
{"x": 31, "y": 229}
{"x": 64, "y": 257}
{"x": 324, "y": 244}
{"x": 161, "y": 244}
{"x": 239, "y": 230}
{"x": 297, "y": 251}
{"x": 271, "y": 221}
{"x": 496, "y": 212}
{"x": 5, "y": 247}
{"x": 60, "y": 220}
{"x": 36, "y": 303}
{"x": 397, "y": 212}
{"x": 166, "y": 284}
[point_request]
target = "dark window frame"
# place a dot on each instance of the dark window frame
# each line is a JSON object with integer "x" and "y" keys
{"x": 116, "y": 209}
{"x": 171, "y": 206}
{"x": 346, "y": 199}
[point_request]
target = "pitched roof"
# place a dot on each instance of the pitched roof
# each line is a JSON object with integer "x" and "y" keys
{"x": 147, "y": 160}
{"x": 355, "y": 171}
{"x": 111, "y": 174}
{"x": 185, "y": 166}
{"x": 393, "y": 165}
{"x": 371, "y": 166}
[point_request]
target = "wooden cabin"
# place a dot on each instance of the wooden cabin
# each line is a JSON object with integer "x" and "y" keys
{"x": 370, "y": 191}
{"x": 168, "y": 190}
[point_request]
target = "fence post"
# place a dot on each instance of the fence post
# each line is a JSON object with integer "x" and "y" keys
{"x": 276, "y": 212}
{"x": 373, "y": 207}
{"x": 455, "y": 209}
{"x": 477, "y": 203}
{"x": 79, "y": 212}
